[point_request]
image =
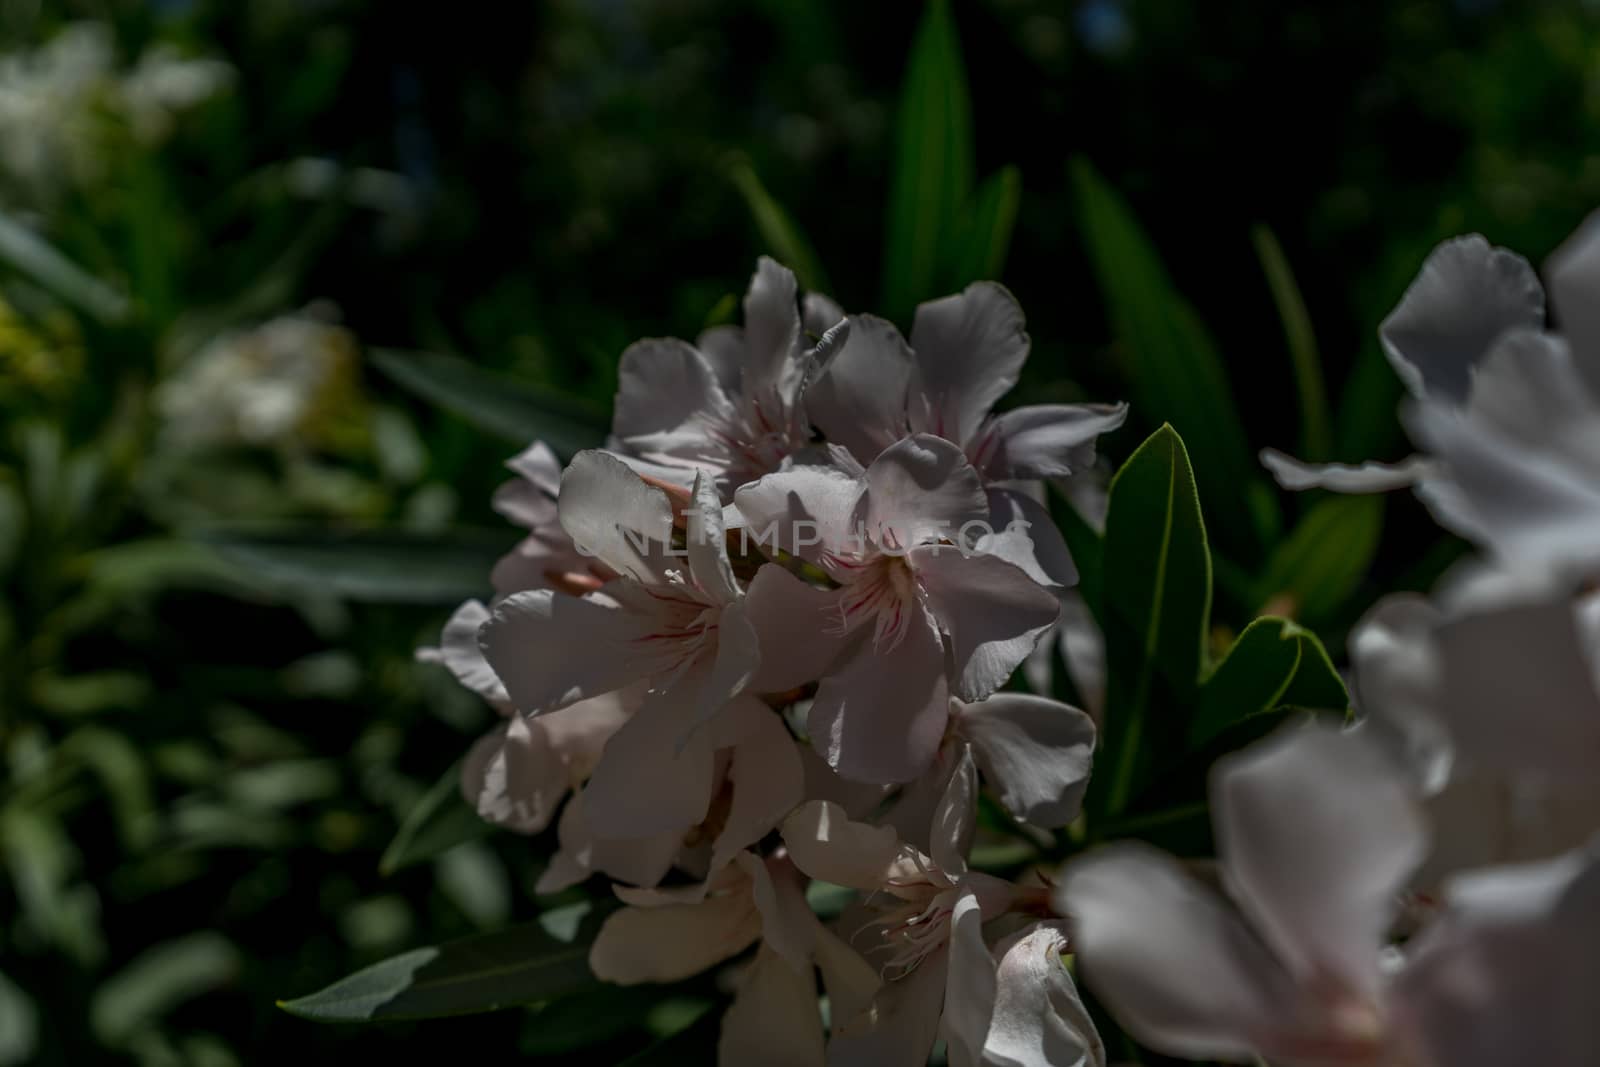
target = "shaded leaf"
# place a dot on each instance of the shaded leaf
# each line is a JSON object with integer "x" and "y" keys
{"x": 37, "y": 260}
{"x": 512, "y": 409}
{"x": 19, "y": 1024}
{"x": 520, "y": 965}
{"x": 782, "y": 237}
{"x": 1325, "y": 557}
{"x": 1273, "y": 664}
{"x": 1316, "y": 421}
{"x": 1157, "y": 604}
{"x": 933, "y": 164}
{"x": 438, "y": 822}
{"x": 158, "y": 980}
{"x": 389, "y": 565}
{"x": 694, "y": 1043}
{"x": 985, "y": 230}
{"x": 1087, "y": 548}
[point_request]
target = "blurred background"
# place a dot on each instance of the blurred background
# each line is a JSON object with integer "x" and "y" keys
{"x": 260, "y": 264}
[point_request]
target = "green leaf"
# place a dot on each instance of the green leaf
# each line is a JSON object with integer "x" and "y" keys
{"x": 1157, "y": 604}
{"x": 124, "y": 777}
{"x": 1325, "y": 557}
{"x": 933, "y": 164}
{"x": 514, "y": 410}
{"x": 694, "y": 1043}
{"x": 782, "y": 238}
{"x": 158, "y": 980}
{"x": 1316, "y": 421}
{"x": 520, "y": 965}
{"x": 438, "y": 822}
{"x": 985, "y": 230}
{"x": 1273, "y": 664}
{"x": 1176, "y": 375}
{"x": 1087, "y": 549}
{"x": 387, "y": 565}
{"x": 19, "y": 1025}
{"x": 35, "y": 259}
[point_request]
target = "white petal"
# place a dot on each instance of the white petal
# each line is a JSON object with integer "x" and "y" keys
{"x": 640, "y": 861}
{"x": 1039, "y": 1020}
{"x": 993, "y": 612}
{"x": 1292, "y": 474}
{"x": 849, "y": 980}
{"x": 774, "y": 1018}
{"x": 737, "y": 657}
{"x": 1396, "y": 678}
{"x": 1026, "y": 536}
{"x": 667, "y": 393}
{"x": 820, "y": 313}
{"x": 793, "y": 623}
{"x": 772, "y": 332}
{"x": 1318, "y": 830}
{"x": 649, "y": 779}
{"x": 827, "y": 844}
{"x": 551, "y": 649}
{"x": 514, "y": 778}
{"x": 879, "y": 717}
{"x": 969, "y": 348}
{"x": 767, "y": 778}
{"x": 672, "y": 942}
{"x": 458, "y": 651}
{"x": 530, "y": 500}
{"x": 900, "y": 1026}
{"x": 1174, "y": 965}
{"x": 858, "y": 401}
{"x": 1574, "y": 274}
{"x": 1053, "y": 440}
{"x": 969, "y": 992}
{"x": 1465, "y": 297}
{"x": 955, "y": 818}
{"x": 804, "y": 510}
{"x": 706, "y": 544}
{"x": 921, "y": 489}
{"x": 723, "y": 349}
{"x": 1035, "y": 754}
{"x": 611, "y": 514}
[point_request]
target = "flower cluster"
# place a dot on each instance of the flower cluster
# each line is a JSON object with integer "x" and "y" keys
{"x": 759, "y": 640}
{"x": 1423, "y": 889}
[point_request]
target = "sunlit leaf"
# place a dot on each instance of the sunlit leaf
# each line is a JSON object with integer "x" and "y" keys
{"x": 160, "y": 979}
{"x": 782, "y": 237}
{"x": 511, "y": 409}
{"x": 1316, "y": 421}
{"x": 1325, "y": 557}
{"x": 390, "y": 565}
{"x": 1273, "y": 664}
{"x": 521, "y": 965}
{"x": 438, "y": 822}
{"x": 933, "y": 164}
{"x": 1157, "y": 604}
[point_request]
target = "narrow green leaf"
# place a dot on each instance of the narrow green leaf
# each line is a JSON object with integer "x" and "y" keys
{"x": 933, "y": 164}
{"x": 511, "y": 409}
{"x": 985, "y": 230}
{"x": 35, "y": 259}
{"x": 487, "y": 972}
{"x": 1325, "y": 557}
{"x": 158, "y": 980}
{"x": 19, "y": 1025}
{"x": 387, "y": 565}
{"x": 1273, "y": 664}
{"x": 438, "y": 822}
{"x": 1157, "y": 605}
{"x": 782, "y": 238}
{"x": 1176, "y": 374}
{"x": 124, "y": 777}
{"x": 1316, "y": 421}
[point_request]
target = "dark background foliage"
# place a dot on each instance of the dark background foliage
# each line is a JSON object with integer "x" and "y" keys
{"x": 202, "y": 768}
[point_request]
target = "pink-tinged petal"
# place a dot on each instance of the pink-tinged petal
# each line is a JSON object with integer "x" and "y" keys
{"x": 723, "y": 349}
{"x": 1175, "y": 966}
{"x": 551, "y": 650}
{"x": 849, "y": 980}
{"x": 969, "y": 992}
{"x": 650, "y": 779}
{"x": 458, "y": 651}
{"x": 1508, "y": 973}
{"x": 768, "y": 782}
{"x": 706, "y": 544}
{"x": 820, "y": 313}
{"x": 1574, "y": 275}
{"x": 640, "y": 861}
{"x": 969, "y": 348}
{"x": 788, "y": 924}
{"x": 1292, "y": 474}
{"x": 1024, "y": 534}
{"x": 993, "y": 612}
{"x": 1035, "y": 754}
{"x": 858, "y": 401}
{"x": 1519, "y": 690}
{"x": 911, "y": 812}
{"x": 530, "y": 500}
{"x": 922, "y": 489}
{"x": 612, "y": 515}
{"x": 1465, "y": 297}
{"x": 736, "y": 659}
{"x": 579, "y": 732}
{"x": 666, "y": 393}
{"x": 879, "y": 717}
{"x": 899, "y": 1027}
{"x": 772, "y": 333}
{"x": 804, "y": 510}
{"x": 514, "y": 778}
{"x": 956, "y": 818}
{"x": 675, "y": 941}
{"x": 824, "y": 783}
{"x": 1396, "y": 683}
{"x": 796, "y": 627}
{"x": 774, "y": 1018}
{"x": 827, "y": 844}
{"x": 1051, "y": 440}
{"x": 1318, "y": 830}
{"x": 1038, "y": 1016}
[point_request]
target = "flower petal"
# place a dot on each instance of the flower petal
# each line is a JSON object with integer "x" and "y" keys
{"x": 900, "y": 1026}
{"x": 675, "y": 941}
{"x": 1175, "y": 966}
{"x": 1026, "y": 536}
{"x": 858, "y": 400}
{"x": 920, "y": 489}
{"x": 706, "y": 543}
{"x": 1574, "y": 274}
{"x": 551, "y": 649}
{"x": 955, "y": 818}
{"x": 1038, "y": 1016}
{"x": 774, "y": 1018}
{"x": 722, "y": 347}
{"x": 458, "y": 651}
{"x": 1465, "y": 297}
{"x": 772, "y": 333}
{"x": 639, "y": 861}
{"x": 993, "y": 612}
{"x": 969, "y": 992}
{"x": 667, "y": 392}
{"x": 514, "y": 778}
{"x": 969, "y": 348}
{"x": 611, "y": 514}
{"x": 820, "y": 313}
{"x": 1035, "y": 754}
{"x": 805, "y": 510}
{"x": 530, "y": 500}
{"x": 1052, "y": 440}
{"x": 1317, "y": 830}
{"x": 767, "y": 778}
{"x": 827, "y": 844}
{"x": 793, "y": 622}
{"x": 650, "y": 779}
{"x": 1292, "y": 474}
{"x": 879, "y": 717}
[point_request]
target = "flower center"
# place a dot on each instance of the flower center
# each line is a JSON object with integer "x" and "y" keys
{"x": 880, "y": 590}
